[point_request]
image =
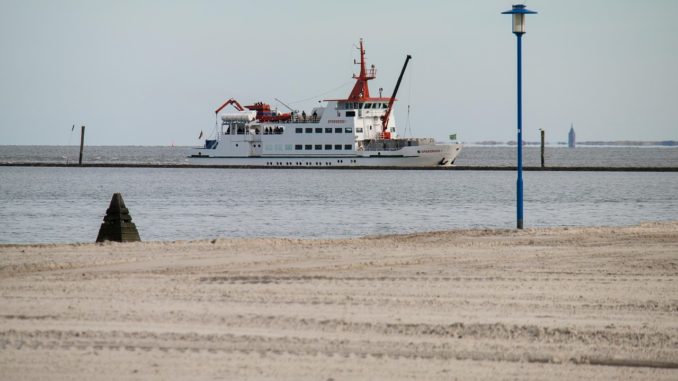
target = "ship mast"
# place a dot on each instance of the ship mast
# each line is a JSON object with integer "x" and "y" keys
{"x": 361, "y": 90}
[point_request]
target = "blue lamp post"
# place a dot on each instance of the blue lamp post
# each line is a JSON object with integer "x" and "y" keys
{"x": 519, "y": 11}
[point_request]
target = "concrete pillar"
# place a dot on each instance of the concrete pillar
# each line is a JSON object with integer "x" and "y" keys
{"x": 118, "y": 225}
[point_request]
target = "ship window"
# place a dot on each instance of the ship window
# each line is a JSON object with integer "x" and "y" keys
{"x": 348, "y": 146}
{"x": 384, "y": 105}
{"x": 328, "y": 146}
{"x": 359, "y": 130}
{"x": 337, "y": 130}
{"x": 328, "y": 130}
{"x": 298, "y": 130}
{"x": 355, "y": 104}
{"x": 318, "y": 130}
{"x": 309, "y": 130}
{"x": 392, "y": 129}
{"x": 337, "y": 147}
{"x": 288, "y": 147}
{"x": 350, "y": 113}
{"x": 298, "y": 147}
{"x": 308, "y": 147}
{"x": 348, "y": 130}
{"x": 368, "y": 105}
{"x": 318, "y": 146}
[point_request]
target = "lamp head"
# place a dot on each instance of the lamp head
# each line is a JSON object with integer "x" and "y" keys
{"x": 519, "y": 11}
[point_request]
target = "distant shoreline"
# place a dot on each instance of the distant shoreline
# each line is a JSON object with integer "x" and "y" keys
{"x": 486, "y": 143}
{"x": 452, "y": 168}
{"x": 617, "y": 143}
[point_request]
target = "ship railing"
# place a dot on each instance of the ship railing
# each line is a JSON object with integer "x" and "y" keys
{"x": 296, "y": 119}
{"x": 278, "y": 130}
{"x": 370, "y": 73}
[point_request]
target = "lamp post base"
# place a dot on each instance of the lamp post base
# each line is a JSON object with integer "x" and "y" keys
{"x": 520, "y": 224}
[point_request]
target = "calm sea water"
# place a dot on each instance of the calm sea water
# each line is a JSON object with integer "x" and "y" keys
{"x": 470, "y": 155}
{"x": 68, "y": 204}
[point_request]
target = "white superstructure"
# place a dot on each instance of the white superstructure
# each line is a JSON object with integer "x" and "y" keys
{"x": 356, "y": 131}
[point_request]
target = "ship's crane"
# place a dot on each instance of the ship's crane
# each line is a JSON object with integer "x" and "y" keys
{"x": 288, "y": 107}
{"x": 228, "y": 102}
{"x": 384, "y": 119}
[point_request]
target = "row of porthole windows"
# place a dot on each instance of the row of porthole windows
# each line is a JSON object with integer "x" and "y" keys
{"x": 289, "y": 163}
{"x": 319, "y": 147}
{"x": 319, "y": 130}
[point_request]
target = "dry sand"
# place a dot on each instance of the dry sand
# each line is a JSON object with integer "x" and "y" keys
{"x": 577, "y": 303}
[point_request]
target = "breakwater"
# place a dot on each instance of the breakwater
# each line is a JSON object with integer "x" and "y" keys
{"x": 454, "y": 168}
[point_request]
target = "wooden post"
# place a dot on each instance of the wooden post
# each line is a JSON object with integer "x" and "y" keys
{"x": 542, "y": 147}
{"x": 82, "y": 143}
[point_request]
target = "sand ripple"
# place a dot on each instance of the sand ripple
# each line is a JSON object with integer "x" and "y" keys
{"x": 585, "y": 303}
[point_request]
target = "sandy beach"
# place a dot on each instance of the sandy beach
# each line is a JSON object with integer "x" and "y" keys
{"x": 573, "y": 303}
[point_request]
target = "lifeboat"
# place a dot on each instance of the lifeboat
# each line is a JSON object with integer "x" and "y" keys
{"x": 265, "y": 114}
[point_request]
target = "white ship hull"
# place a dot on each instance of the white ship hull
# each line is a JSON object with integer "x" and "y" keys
{"x": 438, "y": 155}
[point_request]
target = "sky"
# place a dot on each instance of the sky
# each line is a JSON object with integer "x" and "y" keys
{"x": 152, "y": 72}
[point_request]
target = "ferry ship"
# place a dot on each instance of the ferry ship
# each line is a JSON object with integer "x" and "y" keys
{"x": 358, "y": 131}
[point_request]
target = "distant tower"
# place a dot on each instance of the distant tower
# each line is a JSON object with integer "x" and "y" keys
{"x": 571, "y": 138}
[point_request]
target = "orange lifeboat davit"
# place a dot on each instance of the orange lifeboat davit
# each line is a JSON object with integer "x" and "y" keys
{"x": 265, "y": 114}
